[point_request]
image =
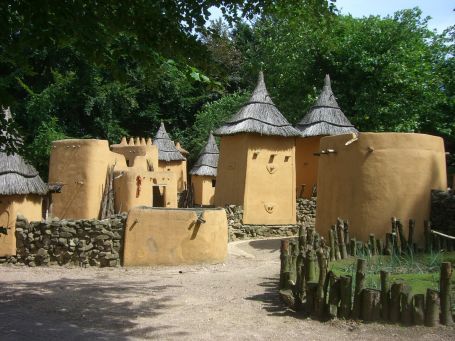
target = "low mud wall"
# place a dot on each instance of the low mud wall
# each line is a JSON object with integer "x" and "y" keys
{"x": 75, "y": 242}
{"x": 306, "y": 215}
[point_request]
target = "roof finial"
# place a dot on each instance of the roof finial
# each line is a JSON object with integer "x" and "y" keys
{"x": 327, "y": 81}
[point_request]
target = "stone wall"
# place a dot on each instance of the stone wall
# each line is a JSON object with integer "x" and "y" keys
{"x": 443, "y": 211}
{"x": 76, "y": 242}
{"x": 306, "y": 215}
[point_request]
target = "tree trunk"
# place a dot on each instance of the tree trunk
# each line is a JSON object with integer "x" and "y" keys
{"x": 406, "y": 306}
{"x": 353, "y": 247}
{"x": 444, "y": 289}
{"x": 319, "y": 302}
{"x": 310, "y": 266}
{"x": 284, "y": 271}
{"x": 395, "y": 294}
{"x": 342, "y": 245}
{"x": 432, "y": 308}
{"x": 334, "y": 295}
{"x": 346, "y": 296}
{"x": 419, "y": 309}
{"x": 385, "y": 295}
{"x": 371, "y": 303}
{"x": 428, "y": 237}
{"x": 359, "y": 284}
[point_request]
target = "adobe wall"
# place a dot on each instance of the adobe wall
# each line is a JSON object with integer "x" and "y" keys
{"x": 306, "y": 214}
{"x": 29, "y": 206}
{"x": 179, "y": 169}
{"x": 75, "y": 242}
{"x": 270, "y": 184}
{"x": 137, "y": 148}
{"x": 156, "y": 236}
{"x": 204, "y": 192}
{"x": 306, "y": 164}
{"x": 231, "y": 172}
{"x": 134, "y": 187}
{"x": 81, "y": 166}
{"x": 379, "y": 176}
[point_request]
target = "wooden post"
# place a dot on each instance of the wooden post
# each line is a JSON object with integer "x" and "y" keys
{"x": 310, "y": 236}
{"x": 311, "y": 297}
{"x": 372, "y": 244}
{"x": 359, "y": 284}
{"x": 342, "y": 245}
{"x": 346, "y": 231}
{"x": 385, "y": 295}
{"x": 432, "y": 308}
{"x": 337, "y": 243}
{"x": 353, "y": 247}
{"x": 394, "y": 307}
{"x": 370, "y": 311}
{"x": 346, "y": 296}
{"x": 299, "y": 289}
{"x": 319, "y": 301}
{"x": 444, "y": 290}
{"x": 403, "y": 242}
{"x": 332, "y": 244}
{"x": 379, "y": 246}
{"x": 310, "y": 266}
{"x": 418, "y": 309}
{"x": 406, "y": 305}
{"x": 388, "y": 244}
{"x": 284, "y": 271}
{"x": 411, "y": 228}
{"x": 302, "y": 238}
{"x": 428, "y": 236}
{"x": 334, "y": 295}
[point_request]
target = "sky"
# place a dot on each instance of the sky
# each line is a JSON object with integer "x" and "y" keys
{"x": 441, "y": 11}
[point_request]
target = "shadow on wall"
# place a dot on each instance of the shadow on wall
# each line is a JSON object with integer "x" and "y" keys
{"x": 69, "y": 309}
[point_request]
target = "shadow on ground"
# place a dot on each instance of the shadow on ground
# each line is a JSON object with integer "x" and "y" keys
{"x": 270, "y": 299}
{"x": 81, "y": 309}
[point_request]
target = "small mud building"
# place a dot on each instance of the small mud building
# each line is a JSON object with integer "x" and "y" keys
{"x": 21, "y": 192}
{"x": 203, "y": 174}
{"x": 169, "y": 158}
{"x": 256, "y": 166}
{"x": 324, "y": 118}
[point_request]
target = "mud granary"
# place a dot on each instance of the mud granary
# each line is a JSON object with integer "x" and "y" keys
{"x": 203, "y": 174}
{"x": 256, "y": 166}
{"x": 97, "y": 181}
{"x": 324, "y": 118}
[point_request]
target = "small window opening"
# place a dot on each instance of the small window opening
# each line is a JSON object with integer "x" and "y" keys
{"x": 127, "y": 162}
{"x": 271, "y": 158}
{"x": 255, "y": 155}
{"x": 286, "y": 158}
{"x": 213, "y": 182}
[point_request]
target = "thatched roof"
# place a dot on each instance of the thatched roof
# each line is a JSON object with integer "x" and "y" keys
{"x": 18, "y": 177}
{"x": 166, "y": 148}
{"x": 259, "y": 115}
{"x": 207, "y": 163}
{"x": 325, "y": 116}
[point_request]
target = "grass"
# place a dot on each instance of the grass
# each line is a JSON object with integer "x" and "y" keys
{"x": 419, "y": 271}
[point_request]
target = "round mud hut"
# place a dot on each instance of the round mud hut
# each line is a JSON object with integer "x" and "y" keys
{"x": 203, "y": 174}
{"x": 324, "y": 118}
{"x": 376, "y": 177}
{"x": 256, "y": 167}
{"x": 169, "y": 158}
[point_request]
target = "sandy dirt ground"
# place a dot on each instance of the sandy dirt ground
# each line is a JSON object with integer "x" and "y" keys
{"x": 236, "y": 300}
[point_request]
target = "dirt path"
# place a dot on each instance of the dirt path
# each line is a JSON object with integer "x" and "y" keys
{"x": 232, "y": 301}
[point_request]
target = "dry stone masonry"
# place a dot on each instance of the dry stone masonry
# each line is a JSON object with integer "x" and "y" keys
{"x": 443, "y": 211}
{"x": 73, "y": 242}
{"x": 306, "y": 215}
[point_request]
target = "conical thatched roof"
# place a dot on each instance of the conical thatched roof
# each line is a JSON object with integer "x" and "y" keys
{"x": 166, "y": 148}
{"x": 259, "y": 115}
{"x": 325, "y": 116}
{"x": 207, "y": 163}
{"x": 16, "y": 176}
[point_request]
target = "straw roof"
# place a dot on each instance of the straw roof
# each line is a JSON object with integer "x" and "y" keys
{"x": 259, "y": 115}
{"x": 207, "y": 163}
{"x": 166, "y": 148}
{"x": 18, "y": 177}
{"x": 325, "y": 116}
